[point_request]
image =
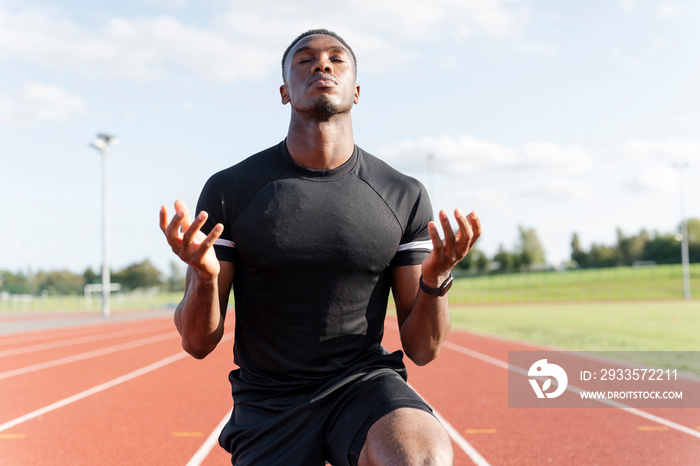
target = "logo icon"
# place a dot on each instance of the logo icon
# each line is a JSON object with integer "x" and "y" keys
{"x": 541, "y": 369}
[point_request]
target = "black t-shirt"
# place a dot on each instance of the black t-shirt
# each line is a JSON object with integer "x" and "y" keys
{"x": 313, "y": 252}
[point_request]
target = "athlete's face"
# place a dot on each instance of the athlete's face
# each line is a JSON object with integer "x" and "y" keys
{"x": 320, "y": 77}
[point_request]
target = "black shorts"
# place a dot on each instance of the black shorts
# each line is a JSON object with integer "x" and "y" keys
{"x": 310, "y": 429}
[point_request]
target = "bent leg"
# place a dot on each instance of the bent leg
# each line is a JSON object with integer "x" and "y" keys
{"x": 406, "y": 436}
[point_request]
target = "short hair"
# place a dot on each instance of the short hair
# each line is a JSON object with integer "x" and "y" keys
{"x": 312, "y": 32}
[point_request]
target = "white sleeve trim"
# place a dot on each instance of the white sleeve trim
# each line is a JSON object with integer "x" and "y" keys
{"x": 427, "y": 244}
{"x": 224, "y": 242}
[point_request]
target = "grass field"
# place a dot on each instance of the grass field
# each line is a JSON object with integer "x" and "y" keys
{"x": 656, "y": 282}
{"x": 658, "y": 326}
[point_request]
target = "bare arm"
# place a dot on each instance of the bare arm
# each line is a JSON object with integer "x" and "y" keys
{"x": 424, "y": 320}
{"x": 199, "y": 318}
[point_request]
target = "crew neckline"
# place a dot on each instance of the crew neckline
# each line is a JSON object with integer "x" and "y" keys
{"x": 310, "y": 173}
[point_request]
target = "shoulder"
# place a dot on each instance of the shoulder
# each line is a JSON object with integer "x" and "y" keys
{"x": 231, "y": 189}
{"x": 257, "y": 167}
{"x": 395, "y": 187}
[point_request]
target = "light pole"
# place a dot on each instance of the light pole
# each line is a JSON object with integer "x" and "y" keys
{"x": 685, "y": 256}
{"x": 102, "y": 144}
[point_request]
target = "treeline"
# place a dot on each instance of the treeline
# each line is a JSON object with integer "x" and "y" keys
{"x": 63, "y": 282}
{"x": 644, "y": 247}
{"x": 528, "y": 254}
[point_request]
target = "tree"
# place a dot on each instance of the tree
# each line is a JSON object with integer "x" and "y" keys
{"x": 530, "y": 251}
{"x": 475, "y": 262}
{"x": 139, "y": 275}
{"x": 90, "y": 276}
{"x": 663, "y": 250}
{"x": 176, "y": 280}
{"x": 603, "y": 256}
{"x": 59, "y": 282}
{"x": 506, "y": 260}
{"x": 16, "y": 283}
{"x": 578, "y": 255}
{"x": 631, "y": 248}
{"x": 693, "y": 230}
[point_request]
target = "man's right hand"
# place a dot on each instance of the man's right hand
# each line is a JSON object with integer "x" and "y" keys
{"x": 188, "y": 242}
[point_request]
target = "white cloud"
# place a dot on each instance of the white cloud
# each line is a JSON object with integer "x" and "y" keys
{"x": 557, "y": 189}
{"x": 547, "y": 155}
{"x": 660, "y": 44}
{"x": 536, "y": 48}
{"x": 467, "y": 154}
{"x": 669, "y": 10}
{"x": 625, "y": 60}
{"x": 37, "y": 102}
{"x": 169, "y": 4}
{"x": 628, "y": 6}
{"x": 245, "y": 41}
{"x": 661, "y": 151}
{"x": 652, "y": 162}
{"x": 658, "y": 179}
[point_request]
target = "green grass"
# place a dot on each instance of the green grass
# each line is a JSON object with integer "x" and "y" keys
{"x": 659, "y": 326}
{"x": 73, "y": 303}
{"x": 657, "y": 282}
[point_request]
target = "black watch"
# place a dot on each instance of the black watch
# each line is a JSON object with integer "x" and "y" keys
{"x": 444, "y": 288}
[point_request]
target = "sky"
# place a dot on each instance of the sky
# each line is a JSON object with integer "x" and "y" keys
{"x": 559, "y": 116}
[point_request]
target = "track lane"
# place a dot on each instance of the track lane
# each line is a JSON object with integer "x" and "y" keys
{"x": 165, "y": 421}
{"x": 158, "y": 418}
{"x": 475, "y": 402}
{"x": 55, "y": 383}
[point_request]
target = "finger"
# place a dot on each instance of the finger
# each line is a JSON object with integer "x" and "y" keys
{"x": 211, "y": 238}
{"x": 181, "y": 207}
{"x": 464, "y": 239}
{"x": 172, "y": 231}
{"x": 475, "y": 222}
{"x": 192, "y": 230}
{"x": 214, "y": 235}
{"x": 438, "y": 247}
{"x": 449, "y": 234}
{"x": 163, "y": 218}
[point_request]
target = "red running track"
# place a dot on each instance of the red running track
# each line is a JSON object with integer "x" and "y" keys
{"x": 121, "y": 391}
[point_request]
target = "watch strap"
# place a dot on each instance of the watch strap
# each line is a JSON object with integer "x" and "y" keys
{"x": 444, "y": 287}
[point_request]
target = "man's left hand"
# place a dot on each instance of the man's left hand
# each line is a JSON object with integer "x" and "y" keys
{"x": 447, "y": 253}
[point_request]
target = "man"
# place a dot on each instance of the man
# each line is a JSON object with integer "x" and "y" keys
{"x": 312, "y": 234}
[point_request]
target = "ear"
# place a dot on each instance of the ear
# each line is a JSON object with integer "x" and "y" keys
{"x": 357, "y": 93}
{"x": 284, "y": 92}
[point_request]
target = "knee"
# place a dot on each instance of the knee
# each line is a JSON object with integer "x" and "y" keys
{"x": 407, "y": 438}
{"x": 437, "y": 451}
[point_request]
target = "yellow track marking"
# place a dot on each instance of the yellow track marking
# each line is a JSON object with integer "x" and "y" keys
{"x": 480, "y": 431}
{"x": 9, "y": 436}
{"x": 652, "y": 428}
{"x": 188, "y": 434}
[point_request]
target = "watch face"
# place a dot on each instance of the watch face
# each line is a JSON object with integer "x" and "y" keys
{"x": 446, "y": 286}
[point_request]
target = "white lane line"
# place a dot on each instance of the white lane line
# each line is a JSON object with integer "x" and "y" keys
{"x": 454, "y": 434}
{"x": 574, "y": 389}
{"x": 88, "y": 355}
{"x": 210, "y": 442}
{"x": 74, "y": 341}
{"x": 93, "y": 390}
{"x": 98, "y": 388}
{"x": 466, "y": 447}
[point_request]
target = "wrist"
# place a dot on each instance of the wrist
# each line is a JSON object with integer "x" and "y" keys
{"x": 203, "y": 276}
{"x": 439, "y": 290}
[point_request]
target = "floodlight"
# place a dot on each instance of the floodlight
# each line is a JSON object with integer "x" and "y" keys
{"x": 102, "y": 144}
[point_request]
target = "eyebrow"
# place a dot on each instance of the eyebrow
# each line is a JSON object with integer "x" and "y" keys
{"x": 335, "y": 48}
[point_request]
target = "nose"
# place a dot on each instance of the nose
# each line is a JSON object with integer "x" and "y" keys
{"x": 323, "y": 64}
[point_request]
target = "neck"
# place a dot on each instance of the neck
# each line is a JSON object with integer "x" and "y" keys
{"x": 320, "y": 144}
